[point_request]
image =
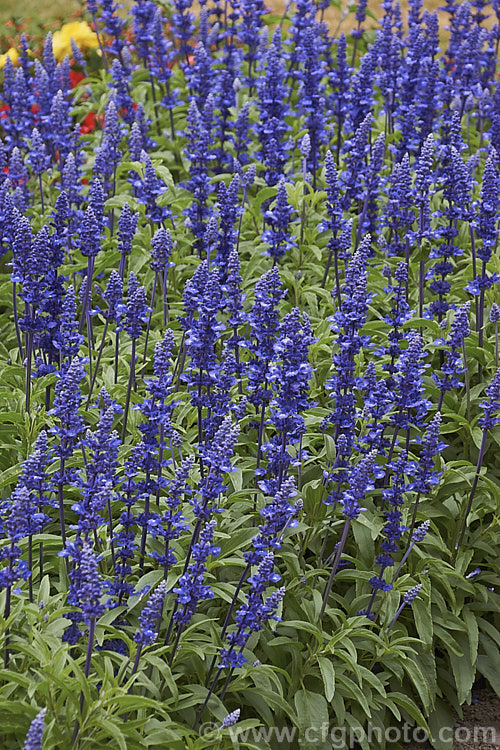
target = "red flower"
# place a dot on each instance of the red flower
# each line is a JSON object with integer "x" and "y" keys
{"x": 3, "y": 109}
{"x": 88, "y": 124}
{"x": 75, "y": 78}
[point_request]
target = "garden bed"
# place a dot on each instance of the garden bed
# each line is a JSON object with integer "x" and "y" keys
{"x": 250, "y": 396}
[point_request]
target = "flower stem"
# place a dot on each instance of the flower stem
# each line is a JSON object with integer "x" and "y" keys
{"x": 335, "y": 565}
{"x": 398, "y": 612}
{"x": 98, "y": 361}
{"x": 131, "y": 378}
{"x": 471, "y": 497}
{"x": 153, "y": 293}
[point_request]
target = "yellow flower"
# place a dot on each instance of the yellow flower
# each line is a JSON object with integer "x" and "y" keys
{"x": 12, "y": 53}
{"x": 80, "y": 32}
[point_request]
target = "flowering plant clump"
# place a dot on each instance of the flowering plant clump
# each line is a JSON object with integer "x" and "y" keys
{"x": 250, "y": 397}
{"x": 78, "y": 32}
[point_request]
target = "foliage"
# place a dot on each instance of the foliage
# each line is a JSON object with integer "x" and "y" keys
{"x": 250, "y": 384}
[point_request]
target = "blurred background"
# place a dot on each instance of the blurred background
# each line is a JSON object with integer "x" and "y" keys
{"x": 36, "y": 17}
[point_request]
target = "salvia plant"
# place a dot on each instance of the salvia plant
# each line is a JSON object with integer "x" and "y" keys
{"x": 250, "y": 396}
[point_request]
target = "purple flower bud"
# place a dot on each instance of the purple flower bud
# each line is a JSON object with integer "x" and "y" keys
{"x": 150, "y": 616}
{"x": 34, "y": 737}
{"x": 231, "y": 719}
{"x": 495, "y": 313}
{"x": 305, "y": 146}
{"x": 421, "y": 531}
{"x": 491, "y": 404}
{"x": 412, "y": 594}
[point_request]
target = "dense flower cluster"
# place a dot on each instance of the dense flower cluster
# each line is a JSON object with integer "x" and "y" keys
{"x": 249, "y": 274}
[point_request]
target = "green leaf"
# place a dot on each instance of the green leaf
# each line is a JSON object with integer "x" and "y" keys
{"x": 150, "y": 579}
{"x": 357, "y": 731}
{"x": 111, "y": 615}
{"x": 165, "y": 671}
{"x": 262, "y": 196}
{"x": 441, "y": 722}
{"x": 44, "y": 590}
{"x": 273, "y": 699}
{"x": 489, "y": 671}
{"x": 328, "y": 675}
{"x": 331, "y": 450}
{"x": 423, "y": 620}
{"x": 431, "y": 325}
{"x": 463, "y": 669}
{"x": 415, "y": 674}
{"x": 489, "y": 664}
{"x": 166, "y": 175}
{"x": 308, "y": 627}
{"x": 113, "y": 731}
{"x": 312, "y": 712}
{"x": 117, "y": 201}
{"x": 271, "y": 19}
{"x": 363, "y": 536}
{"x": 14, "y": 677}
{"x": 238, "y": 540}
{"x": 472, "y": 633}
{"x": 411, "y": 708}
{"x": 355, "y": 692}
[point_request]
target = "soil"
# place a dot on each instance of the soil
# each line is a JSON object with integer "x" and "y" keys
{"x": 484, "y": 712}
